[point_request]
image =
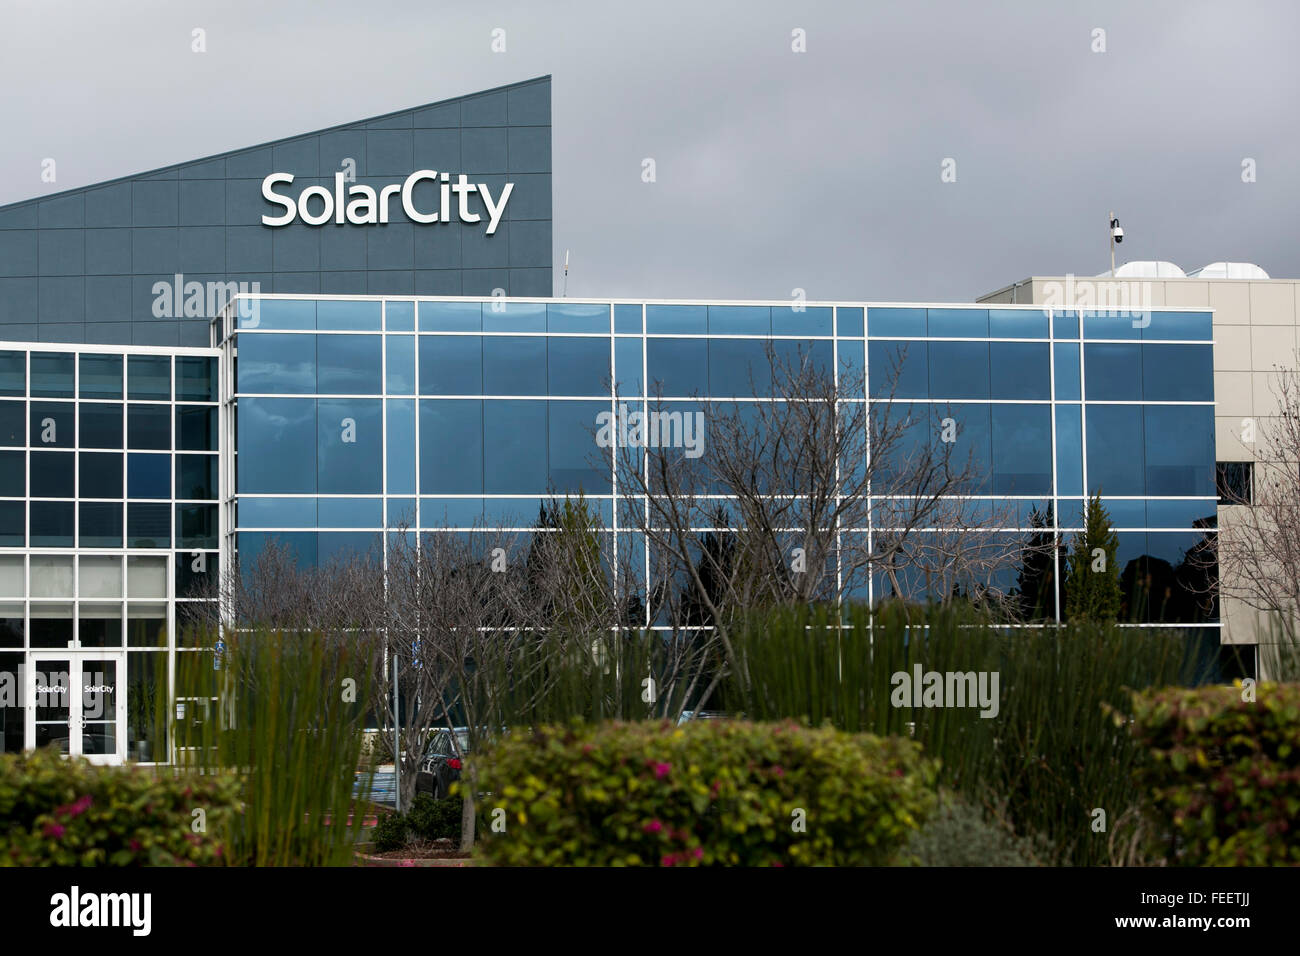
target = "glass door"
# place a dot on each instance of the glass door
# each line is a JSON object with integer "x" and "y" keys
{"x": 77, "y": 701}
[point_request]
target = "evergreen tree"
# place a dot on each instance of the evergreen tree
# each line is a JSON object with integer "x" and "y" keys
{"x": 1092, "y": 588}
{"x": 1036, "y": 582}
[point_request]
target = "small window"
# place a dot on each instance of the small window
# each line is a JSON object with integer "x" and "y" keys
{"x": 1235, "y": 482}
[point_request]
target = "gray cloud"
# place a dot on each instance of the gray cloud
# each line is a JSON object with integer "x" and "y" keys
{"x": 776, "y": 170}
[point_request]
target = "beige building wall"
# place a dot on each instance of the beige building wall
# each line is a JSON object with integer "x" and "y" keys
{"x": 1255, "y": 332}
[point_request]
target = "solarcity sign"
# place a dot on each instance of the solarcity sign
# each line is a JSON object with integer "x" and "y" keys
{"x": 363, "y": 206}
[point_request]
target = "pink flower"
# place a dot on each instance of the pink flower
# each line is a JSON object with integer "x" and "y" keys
{"x": 135, "y": 846}
{"x": 661, "y": 770}
{"x": 654, "y": 826}
{"x": 699, "y": 853}
{"x": 54, "y": 830}
{"x": 668, "y": 860}
{"x": 778, "y": 771}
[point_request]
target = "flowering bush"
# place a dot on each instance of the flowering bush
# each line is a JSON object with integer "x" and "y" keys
{"x": 60, "y": 812}
{"x": 710, "y": 793}
{"x": 1225, "y": 775}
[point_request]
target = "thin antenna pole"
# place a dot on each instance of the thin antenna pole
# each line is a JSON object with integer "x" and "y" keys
{"x": 1111, "y": 230}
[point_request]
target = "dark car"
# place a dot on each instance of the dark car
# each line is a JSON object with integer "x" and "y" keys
{"x": 442, "y": 762}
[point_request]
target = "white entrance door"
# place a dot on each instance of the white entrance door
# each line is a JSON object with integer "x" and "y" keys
{"x": 77, "y": 700}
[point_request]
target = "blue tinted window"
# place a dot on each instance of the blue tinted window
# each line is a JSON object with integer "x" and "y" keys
{"x": 1179, "y": 449}
{"x": 578, "y": 366}
{"x": 972, "y": 446}
{"x": 851, "y": 368}
{"x": 301, "y": 545}
{"x": 277, "y": 446}
{"x": 52, "y": 424}
{"x": 13, "y": 373}
{"x": 676, "y": 319}
{"x": 400, "y": 364}
{"x": 1020, "y": 370}
{"x": 101, "y": 425}
{"x": 1069, "y": 450}
{"x": 502, "y": 316}
{"x": 1178, "y": 373}
{"x": 677, "y": 366}
{"x": 1022, "y": 449}
{"x": 401, "y": 447}
{"x": 896, "y": 322}
{"x": 1065, "y": 324}
{"x": 52, "y": 474}
{"x": 959, "y": 369}
{"x": 347, "y": 546}
{"x": 349, "y": 364}
{"x": 101, "y": 376}
{"x": 1018, "y": 324}
{"x": 1111, "y": 325}
{"x": 101, "y": 524}
{"x": 13, "y": 423}
{"x": 514, "y": 365}
{"x": 349, "y": 446}
{"x": 740, "y": 320}
{"x": 577, "y": 317}
{"x": 277, "y": 512}
{"x": 849, "y": 321}
{"x": 196, "y": 428}
{"x": 196, "y": 477}
{"x": 514, "y": 456}
{"x": 399, "y": 316}
{"x": 52, "y": 524}
{"x": 958, "y": 323}
{"x": 1182, "y": 514}
{"x": 807, "y": 320}
{"x": 1115, "y": 457}
{"x": 739, "y": 367}
{"x": 1113, "y": 373}
{"x": 148, "y": 377}
{"x": 899, "y": 369}
{"x": 1194, "y": 326}
{"x": 627, "y": 359}
{"x": 52, "y": 374}
{"x": 450, "y": 512}
{"x": 13, "y": 524}
{"x": 276, "y": 364}
{"x": 574, "y": 457}
{"x": 148, "y": 426}
{"x": 13, "y": 474}
{"x": 196, "y": 379}
{"x": 451, "y": 317}
{"x": 400, "y": 511}
{"x": 1126, "y": 513}
{"x": 148, "y": 476}
{"x": 451, "y": 365}
{"x": 794, "y": 357}
{"x": 1067, "y": 370}
{"x": 344, "y": 316}
{"x": 351, "y": 512}
{"x": 280, "y": 314}
{"x": 196, "y": 526}
{"x": 451, "y": 446}
{"x": 148, "y": 525}
{"x": 627, "y": 319}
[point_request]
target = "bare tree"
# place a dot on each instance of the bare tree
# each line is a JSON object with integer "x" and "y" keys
{"x": 1258, "y": 544}
{"x": 776, "y": 509}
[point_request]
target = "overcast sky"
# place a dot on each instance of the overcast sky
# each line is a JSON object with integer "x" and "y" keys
{"x": 775, "y": 170}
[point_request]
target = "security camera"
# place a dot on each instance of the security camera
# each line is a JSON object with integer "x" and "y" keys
{"x": 1116, "y": 232}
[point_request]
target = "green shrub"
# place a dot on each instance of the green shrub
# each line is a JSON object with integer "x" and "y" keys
{"x": 708, "y": 793}
{"x": 60, "y": 812}
{"x": 1224, "y": 778}
{"x": 962, "y": 833}
{"x": 431, "y": 819}
{"x": 391, "y": 832}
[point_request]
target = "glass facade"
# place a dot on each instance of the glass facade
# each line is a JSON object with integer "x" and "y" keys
{"x": 109, "y": 469}
{"x": 356, "y": 416}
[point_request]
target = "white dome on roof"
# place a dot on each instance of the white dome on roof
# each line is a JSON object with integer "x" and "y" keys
{"x": 1229, "y": 270}
{"x": 1147, "y": 269}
